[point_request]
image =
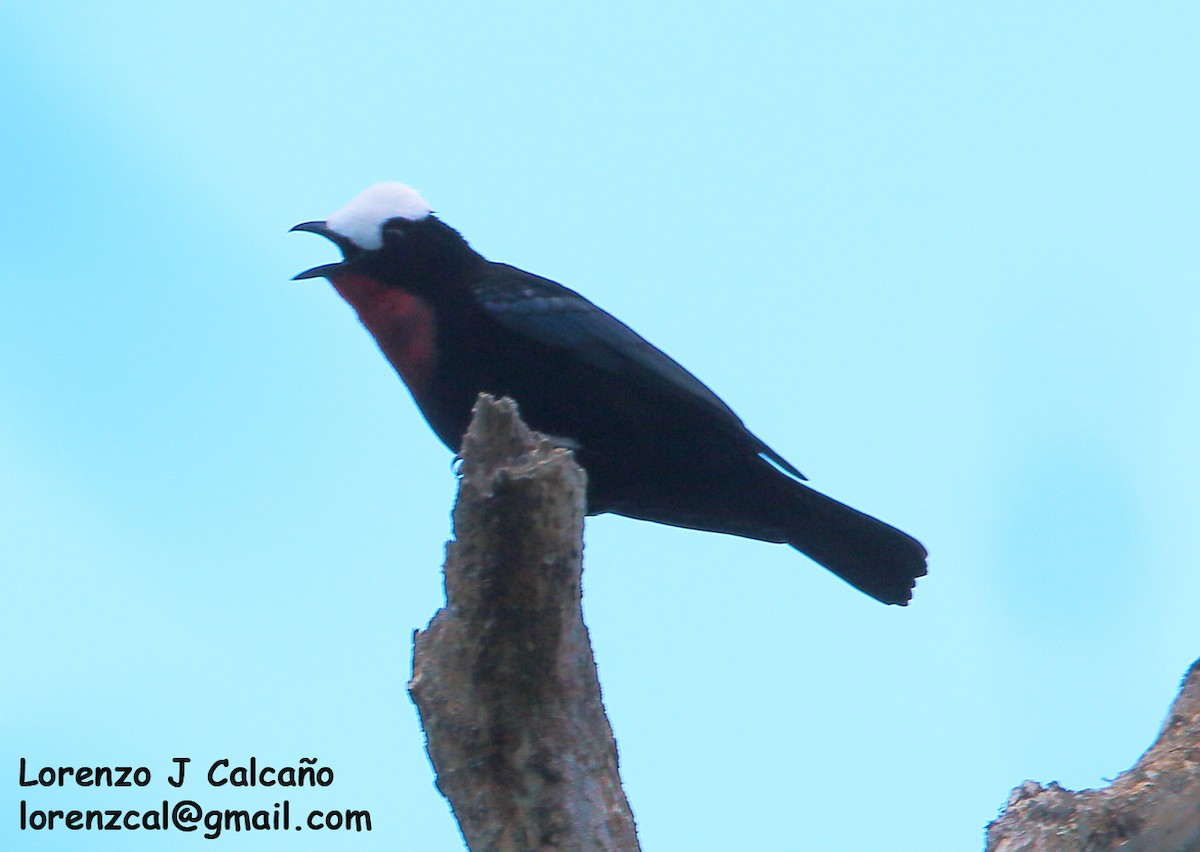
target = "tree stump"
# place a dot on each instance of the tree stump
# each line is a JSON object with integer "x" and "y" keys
{"x": 1153, "y": 807}
{"x": 503, "y": 676}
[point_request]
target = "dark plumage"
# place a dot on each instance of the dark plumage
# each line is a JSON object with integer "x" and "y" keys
{"x": 657, "y": 444}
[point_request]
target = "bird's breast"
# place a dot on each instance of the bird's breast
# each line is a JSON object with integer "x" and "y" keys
{"x": 403, "y": 324}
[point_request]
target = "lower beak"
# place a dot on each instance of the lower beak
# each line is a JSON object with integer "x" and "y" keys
{"x": 328, "y": 270}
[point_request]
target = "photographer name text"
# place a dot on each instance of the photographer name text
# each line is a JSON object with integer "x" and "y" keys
{"x": 186, "y": 815}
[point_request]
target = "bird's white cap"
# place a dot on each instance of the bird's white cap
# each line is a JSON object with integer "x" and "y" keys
{"x": 361, "y": 221}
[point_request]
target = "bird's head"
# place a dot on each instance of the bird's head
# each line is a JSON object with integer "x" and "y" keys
{"x": 387, "y": 232}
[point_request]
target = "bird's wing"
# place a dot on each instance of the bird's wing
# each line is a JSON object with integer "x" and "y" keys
{"x": 553, "y": 315}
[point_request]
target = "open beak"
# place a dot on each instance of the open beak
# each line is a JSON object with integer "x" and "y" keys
{"x": 349, "y": 251}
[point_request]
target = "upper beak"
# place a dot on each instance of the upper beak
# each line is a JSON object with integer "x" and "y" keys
{"x": 326, "y": 270}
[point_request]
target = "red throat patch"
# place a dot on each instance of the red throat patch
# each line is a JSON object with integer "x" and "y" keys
{"x": 404, "y": 326}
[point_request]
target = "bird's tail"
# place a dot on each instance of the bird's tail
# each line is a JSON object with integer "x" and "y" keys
{"x": 763, "y": 503}
{"x": 865, "y": 552}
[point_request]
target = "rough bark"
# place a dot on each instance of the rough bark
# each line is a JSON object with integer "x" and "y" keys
{"x": 1153, "y": 807}
{"x": 503, "y": 676}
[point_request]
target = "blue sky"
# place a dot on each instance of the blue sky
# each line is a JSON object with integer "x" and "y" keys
{"x": 941, "y": 256}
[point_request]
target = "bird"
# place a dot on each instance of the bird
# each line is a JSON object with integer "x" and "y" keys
{"x": 657, "y": 444}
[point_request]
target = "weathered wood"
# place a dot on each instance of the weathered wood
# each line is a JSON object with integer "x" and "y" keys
{"x": 1153, "y": 807}
{"x": 503, "y": 676}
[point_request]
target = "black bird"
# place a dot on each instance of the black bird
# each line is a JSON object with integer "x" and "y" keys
{"x": 656, "y": 443}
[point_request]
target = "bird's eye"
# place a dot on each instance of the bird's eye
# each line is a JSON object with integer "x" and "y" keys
{"x": 396, "y": 226}
{"x": 395, "y": 234}
{"x": 394, "y": 231}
